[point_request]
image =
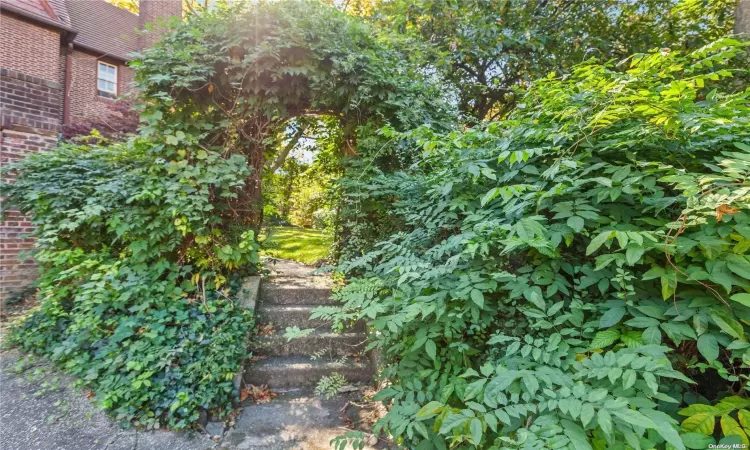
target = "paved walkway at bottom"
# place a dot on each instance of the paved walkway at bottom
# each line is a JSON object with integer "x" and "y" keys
{"x": 41, "y": 410}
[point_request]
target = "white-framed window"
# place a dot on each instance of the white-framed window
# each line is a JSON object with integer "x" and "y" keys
{"x": 107, "y": 79}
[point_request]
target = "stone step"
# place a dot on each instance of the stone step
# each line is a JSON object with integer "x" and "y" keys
{"x": 283, "y": 316}
{"x": 289, "y": 269}
{"x": 297, "y": 420}
{"x": 300, "y": 371}
{"x": 284, "y": 294}
{"x": 332, "y": 344}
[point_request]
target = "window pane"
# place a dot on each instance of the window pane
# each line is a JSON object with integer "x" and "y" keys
{"x": 106, "y": 72}
{"x": 102, "y": 84}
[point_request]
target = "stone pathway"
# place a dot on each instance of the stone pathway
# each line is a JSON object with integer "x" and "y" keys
{"x": 297, "y": 419}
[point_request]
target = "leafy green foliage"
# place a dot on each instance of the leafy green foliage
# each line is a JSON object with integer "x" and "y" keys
{"x": 487, "y": 49}
{"x": 295, "y": 332}
{"x": 329, "y": 385}
{"x": 573, "y": 276}
{"x": 134, "y": 286}
{"x": 233, "y": 80}
{"x": 140, "y": 241}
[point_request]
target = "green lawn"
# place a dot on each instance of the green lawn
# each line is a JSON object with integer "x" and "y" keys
{"x": 305, "y": 245}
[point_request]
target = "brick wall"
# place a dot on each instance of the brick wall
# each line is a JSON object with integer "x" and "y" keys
{"x": 85, "y": 103}
{"x": 17, "y": 268}
{"x": 30, "y": 117}
{"x": 149, "y": 12}
{"x": 29, "y": 49}
{"x": 29, "y": 102}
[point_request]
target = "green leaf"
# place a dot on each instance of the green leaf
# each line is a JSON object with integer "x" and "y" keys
{"x": 576, "y": 434}
{"x": 611, "y": 317}
{"x": 709, "y": 347}
{"x": 430, "y": 348}
{"x": 642, "y": 322}
{"x": 697, "y": 441}
{"x": 651, "y": 336}
{"x": 729, "y": 325}
{"x": 633, "y": 254}
{"x": 477, "y": 297}
{"x": 430, "y": 410}
{"x": 475, "y": 426}
{"x": 451, "y": 421}
{"x": 634, "y": 417}
{"x": 597, "y": 242}
{"x": 665, "y": 426}
{"x": 700, "y": 423}
{"x": 172, "y": 140}
{"x": 576, "y": 223}
{"x": 605, "y": 421}
{"x": 604, "y": 339}
{"x": 474, "y": 389}
{"x": 587, "y": 413}
{"x": 628, "y": 378}
{"x": 739, "y": 266}
{"x": 743, "y": 299}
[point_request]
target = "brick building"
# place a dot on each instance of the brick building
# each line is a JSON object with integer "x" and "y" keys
{"x": 61, "y": 62}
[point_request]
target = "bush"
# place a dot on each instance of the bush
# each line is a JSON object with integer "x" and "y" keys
{"x": 135, "y": 289}
{"x": 574, "y": 277}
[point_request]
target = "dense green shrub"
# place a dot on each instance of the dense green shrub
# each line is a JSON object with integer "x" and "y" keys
{"x": 135, "y": 283}
{"x": 576, "y": 276}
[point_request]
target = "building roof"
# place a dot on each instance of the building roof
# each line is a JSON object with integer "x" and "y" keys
{"x": 103, "y": 27}
{"x": 94, "y": 24}
{"x": 50, "y": 12}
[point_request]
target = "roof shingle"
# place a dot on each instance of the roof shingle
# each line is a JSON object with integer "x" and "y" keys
{"x": 51, "y": 12}
{"x": 103, "y": 27}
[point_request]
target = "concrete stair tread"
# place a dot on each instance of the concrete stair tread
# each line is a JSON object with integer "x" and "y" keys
{"x": 290, "y": 269}
{"x": 283, "y": 316}
{"x": 304, "y": 362}
{"x": 337, "y": 344}
{"x": 280, "y": 372}
{"x": 296, "y": 419}
{"x": 299, "y": 295}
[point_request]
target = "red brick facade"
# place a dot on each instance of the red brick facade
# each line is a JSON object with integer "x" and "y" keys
{"x": 85, "y": 102}
{"x": 48, "y": 74}
{"x": 29, "y": 48}
{"x": 17, "y": 268}
{"x": 30, "y": 118}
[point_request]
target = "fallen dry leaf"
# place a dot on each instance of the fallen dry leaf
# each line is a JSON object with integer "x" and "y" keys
{"x": 262, "y": 394}
{"x": 725, "y": 209}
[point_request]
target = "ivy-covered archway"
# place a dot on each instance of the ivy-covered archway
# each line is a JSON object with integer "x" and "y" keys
{"x": 231, "y": 81}
{"x": 143, "y": 243}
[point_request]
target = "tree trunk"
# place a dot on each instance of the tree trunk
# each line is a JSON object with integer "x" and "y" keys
{"x": 742, "y": 19}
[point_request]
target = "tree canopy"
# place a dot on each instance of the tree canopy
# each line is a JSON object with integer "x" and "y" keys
{"x": 488, "y": 48}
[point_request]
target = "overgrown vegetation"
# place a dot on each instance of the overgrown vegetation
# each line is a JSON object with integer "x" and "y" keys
{"x": 134, "y": 290}
{"x": 140, "y": 241}
{"x": 576, "y": 276}
{"x": 572, "y": 275}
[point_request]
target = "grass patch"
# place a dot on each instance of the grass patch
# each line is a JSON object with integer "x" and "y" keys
{"x": 305, "y": 245}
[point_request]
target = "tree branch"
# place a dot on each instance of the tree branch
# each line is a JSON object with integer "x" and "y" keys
{"x": 288, "y": 148}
